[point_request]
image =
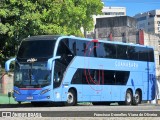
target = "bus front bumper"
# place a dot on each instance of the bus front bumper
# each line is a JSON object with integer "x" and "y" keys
{"x": 29, "y": 98}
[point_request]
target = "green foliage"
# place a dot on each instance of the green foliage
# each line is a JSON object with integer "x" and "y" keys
{"x": 22, "y": 18}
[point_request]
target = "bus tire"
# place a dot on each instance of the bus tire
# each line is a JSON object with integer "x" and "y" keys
{"x": 71, "y": 98}
{"x": 128, "y": 98}
{"x": 137, "y": 98}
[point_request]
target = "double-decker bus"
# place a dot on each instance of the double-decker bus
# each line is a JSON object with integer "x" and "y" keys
{"x": 68, "y": 69}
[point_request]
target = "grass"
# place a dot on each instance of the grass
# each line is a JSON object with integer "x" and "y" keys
{"x": 4, "y": 99}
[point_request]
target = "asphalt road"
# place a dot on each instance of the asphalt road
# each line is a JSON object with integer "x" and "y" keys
{"x": 80, "y": 107}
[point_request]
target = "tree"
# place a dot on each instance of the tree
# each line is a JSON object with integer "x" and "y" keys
{"x": 23, "y": 18}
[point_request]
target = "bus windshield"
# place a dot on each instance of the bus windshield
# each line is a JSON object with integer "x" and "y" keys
{"x": 36, "y": 49}
{"x": 33, "y": 75}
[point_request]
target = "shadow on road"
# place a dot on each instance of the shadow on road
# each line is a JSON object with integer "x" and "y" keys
{"x": 16, "y": 105}
{"x": 40, "y": 105}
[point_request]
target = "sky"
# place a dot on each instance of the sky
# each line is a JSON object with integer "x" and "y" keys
{"x": 134, "y": 6}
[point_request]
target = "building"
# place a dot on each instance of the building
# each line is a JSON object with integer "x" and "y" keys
{"x": 121, "y": 28}
{"x": 149, "y": 21}
{"x": 107, "y": 12}
{"x": 112, "y": 11}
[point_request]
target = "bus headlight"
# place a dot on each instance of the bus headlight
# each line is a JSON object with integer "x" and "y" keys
{"x": 44, "y": 91}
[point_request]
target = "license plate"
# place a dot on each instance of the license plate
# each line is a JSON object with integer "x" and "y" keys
{"x": 29, "y": 98}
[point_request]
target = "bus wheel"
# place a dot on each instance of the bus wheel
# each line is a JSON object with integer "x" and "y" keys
{"x": 128, "y": 98}
{"x": 71, "y": 98}
{"x": 137, "y": 98}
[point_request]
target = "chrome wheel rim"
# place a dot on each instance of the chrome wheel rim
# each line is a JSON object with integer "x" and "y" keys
{"x": 70, "y": 98}
{"x": 137, "y": 98}
{"x": 128, "y": 97}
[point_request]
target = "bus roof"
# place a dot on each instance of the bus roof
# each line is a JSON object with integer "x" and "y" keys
{"x": 43, "y": 37}
{"x": 106, "y": 41}
{"x": 55, "y": 37}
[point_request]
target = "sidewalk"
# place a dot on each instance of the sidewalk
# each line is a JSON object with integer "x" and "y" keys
{"x": 4, "y": 99}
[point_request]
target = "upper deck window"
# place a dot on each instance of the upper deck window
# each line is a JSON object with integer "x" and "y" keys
{"x": 36, "y": 49}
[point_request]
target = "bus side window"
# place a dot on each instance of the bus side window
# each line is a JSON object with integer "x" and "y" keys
{"x": 109, "y": 77}
{"x": 100, "y": 50}
{"x": 143, "y": 54}
{"x": 92, "y": 76}
{"x": 151, "y": 55}
{"x": 122, "y": 77}
{"x": 132, "y": 53}
{"x": 65, "y": 53}
{"x": 72, "y": 46}
{"x": 58, "y": 73}
{"x": 122, "y": 52}
{"x": 110, "y": 50}
{"x": 81, "y": 48}
{"x": 57, "y": 76}
{"x": 77, "y": 78}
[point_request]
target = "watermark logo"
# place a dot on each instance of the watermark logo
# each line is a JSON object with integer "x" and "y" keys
{"x": 6, "y": 114}
{"x": 20, "y": 114}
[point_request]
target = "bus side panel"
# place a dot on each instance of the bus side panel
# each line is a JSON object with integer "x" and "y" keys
{"x": 149, "y": 91}
{"x": 116, "y": 93}
{"x": 151, "y": 86}
{"x": 57, "y": 94}
{"x": 152, "y": 80}
{"x": 106, "y": 93}
{"x": 136, "y": 79}
{"x": 92, "y": 92}
{"x": 79, "y": 92}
